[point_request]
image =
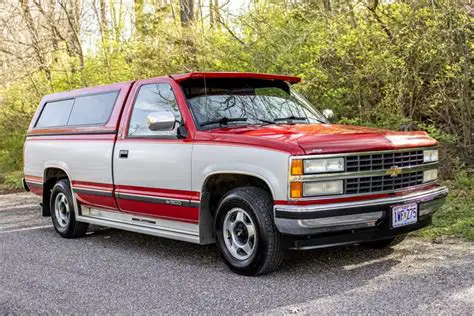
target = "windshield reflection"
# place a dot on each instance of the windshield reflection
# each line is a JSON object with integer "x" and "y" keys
{"x": 256, "y": 101}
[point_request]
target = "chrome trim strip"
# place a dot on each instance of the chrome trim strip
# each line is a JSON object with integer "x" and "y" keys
{"x": 363, "y": 219}
{"x": 362, "y": 153}
{"x": 92, "y": 191}
{"x": 331, "y": 197}
{"x": 34, "y": 184}
{"x": 361, "y": 174}
{"x": 423, "y": 195}
{"x": 147, "y": 225}
{"x": 157, "y": 200}
{"x": 328, "y": 224}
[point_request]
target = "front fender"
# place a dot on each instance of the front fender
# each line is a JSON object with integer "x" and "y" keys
{"x": 268, "y": 165}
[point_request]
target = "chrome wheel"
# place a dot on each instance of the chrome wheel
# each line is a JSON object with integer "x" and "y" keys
{"x": 239, "y": 234}
{"x": 62, "y": 210}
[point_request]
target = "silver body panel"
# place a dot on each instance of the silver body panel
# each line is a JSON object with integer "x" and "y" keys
{"x": 268, "y": 165}
{"x": 82, "y": 160}
{"x": 141, "y": 224}
{"x": 153, "y": 164}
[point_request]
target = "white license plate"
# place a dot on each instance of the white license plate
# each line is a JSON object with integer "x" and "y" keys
{"x": 405, "y": 214}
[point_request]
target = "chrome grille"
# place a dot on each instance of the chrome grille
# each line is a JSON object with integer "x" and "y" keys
{"x": 383, "y": 183}
{"x": 382, "y": 161}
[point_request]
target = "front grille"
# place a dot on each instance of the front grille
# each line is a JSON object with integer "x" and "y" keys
{"x": 382, "y": 161}
{"x": 383, "y": 183}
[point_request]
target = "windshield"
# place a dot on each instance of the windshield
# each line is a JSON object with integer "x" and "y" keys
{"x": 230, "y": 102}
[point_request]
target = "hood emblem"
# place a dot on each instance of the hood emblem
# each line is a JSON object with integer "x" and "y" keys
{"x": 394, "y": 171}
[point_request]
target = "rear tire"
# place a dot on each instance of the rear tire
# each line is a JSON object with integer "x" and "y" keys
{"x": 247, "y": 238}
{"x": 62, "y": 212}
{"x": 385, "y": 243}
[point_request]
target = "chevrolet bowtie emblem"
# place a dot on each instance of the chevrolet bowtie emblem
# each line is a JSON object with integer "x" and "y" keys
{"x": 394, "y": 171}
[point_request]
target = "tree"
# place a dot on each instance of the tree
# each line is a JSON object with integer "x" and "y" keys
{"x": 186, "y": 12}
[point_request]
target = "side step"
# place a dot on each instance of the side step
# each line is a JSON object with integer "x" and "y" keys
{"x": 140, "y": 224}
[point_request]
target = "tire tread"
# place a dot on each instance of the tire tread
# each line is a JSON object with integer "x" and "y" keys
{"x": 260, "y": 200}
{"x": 76, "y": 229}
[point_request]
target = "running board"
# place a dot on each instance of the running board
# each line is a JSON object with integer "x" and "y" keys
{"x": 146, "y": 225}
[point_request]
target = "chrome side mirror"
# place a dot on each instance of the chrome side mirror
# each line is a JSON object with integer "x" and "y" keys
{"x": 161, "y": 121}
{"x": 328, "y": 113}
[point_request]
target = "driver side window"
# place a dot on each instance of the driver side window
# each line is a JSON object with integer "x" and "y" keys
{"x": 153, "y": 97}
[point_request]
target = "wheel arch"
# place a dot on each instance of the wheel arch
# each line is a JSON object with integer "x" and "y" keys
{"x": 213, "y": 188}
{"x": 51, "y": 175}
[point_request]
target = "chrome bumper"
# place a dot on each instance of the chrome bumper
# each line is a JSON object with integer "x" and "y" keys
{"x": 321, "y": 218}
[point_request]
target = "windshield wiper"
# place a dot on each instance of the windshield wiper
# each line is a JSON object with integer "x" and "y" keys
{"x": 224, "y": 121}
{"x": 266, "y": 121}
{"x": 291, "y": 118}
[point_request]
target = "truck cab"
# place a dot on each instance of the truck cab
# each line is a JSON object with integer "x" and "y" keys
{"x": 238, "y": 159}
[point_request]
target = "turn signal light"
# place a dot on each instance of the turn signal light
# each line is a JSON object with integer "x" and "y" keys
{"x": 297, "y": 167}
{"x": 296, "y": 190}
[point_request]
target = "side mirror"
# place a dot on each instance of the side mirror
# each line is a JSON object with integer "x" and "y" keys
{"x": 161, "y": 121}
{"x": 328, "y": 113}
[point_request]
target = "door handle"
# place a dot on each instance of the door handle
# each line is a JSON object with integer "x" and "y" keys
{"x": 123, "y": 154}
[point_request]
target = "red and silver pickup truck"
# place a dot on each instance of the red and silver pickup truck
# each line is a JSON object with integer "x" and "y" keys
{"x": 240, "y": 159}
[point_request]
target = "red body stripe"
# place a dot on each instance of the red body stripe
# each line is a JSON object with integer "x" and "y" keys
{"x": 93, "y": 185}
{"x": 179, "y": 213}
{"x": 156, "y": 192}
{"x": 33, "y": 178}
{"x": 107, "y": 202}
{"x": 36, "y": 190}
{"x": 110, "y": 137}
{"x": 166, "y": 211}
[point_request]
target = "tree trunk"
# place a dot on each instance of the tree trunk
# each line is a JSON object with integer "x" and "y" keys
{"x": 186, "y": 12}
{"x": 327, "y": 5}
{"x": 40, "y": 55}
{"x": 138, "y": 10}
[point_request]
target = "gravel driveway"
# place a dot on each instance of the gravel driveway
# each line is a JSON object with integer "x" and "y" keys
{"x": 112, "y": 271}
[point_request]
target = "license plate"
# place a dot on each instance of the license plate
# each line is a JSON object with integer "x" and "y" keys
{"x": 405, "y": 214}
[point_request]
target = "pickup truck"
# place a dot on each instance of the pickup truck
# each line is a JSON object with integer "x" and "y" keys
{"x": 238, "y": 159}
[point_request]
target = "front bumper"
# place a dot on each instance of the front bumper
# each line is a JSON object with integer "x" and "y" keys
{"x": 318, "y": 225}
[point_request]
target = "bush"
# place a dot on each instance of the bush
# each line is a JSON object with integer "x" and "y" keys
{"x": 13, "y": 180}
{"x": 456, "y": 217}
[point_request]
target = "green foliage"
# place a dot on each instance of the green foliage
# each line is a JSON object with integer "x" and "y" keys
{"x": 400, "y": 66}
{"x": 403, "y": 65}
{"x": 456, "y": 217}
{"x": 13, "y": 180}
{"x": 15, "y": 115}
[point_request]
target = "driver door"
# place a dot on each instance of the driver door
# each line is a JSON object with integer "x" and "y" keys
{"x": 152, "y": 169}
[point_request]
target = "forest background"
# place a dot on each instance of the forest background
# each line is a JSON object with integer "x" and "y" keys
{"x": 401, "y": 65}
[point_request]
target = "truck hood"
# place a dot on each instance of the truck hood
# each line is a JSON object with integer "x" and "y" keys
{"x": 318, "y": 138}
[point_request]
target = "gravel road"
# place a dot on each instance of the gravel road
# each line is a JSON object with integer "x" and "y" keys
{"x": 111, "y": 271}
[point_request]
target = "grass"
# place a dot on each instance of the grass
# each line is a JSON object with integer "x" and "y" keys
{"x": 454, "y": 219}
{"x": 456, "y": 216}
{"x": 11, "y": 182}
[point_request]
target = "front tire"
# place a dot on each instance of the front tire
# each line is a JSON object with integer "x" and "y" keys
{"x": 247, "y": 238}
{"x": 62, "y": 212}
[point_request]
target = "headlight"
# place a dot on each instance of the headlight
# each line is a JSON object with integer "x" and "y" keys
{"x": 430, "y": 155}
{"x": 323, "y": 188}
{"x": 323, "y": 165}
{"x": 430, "y": 175}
